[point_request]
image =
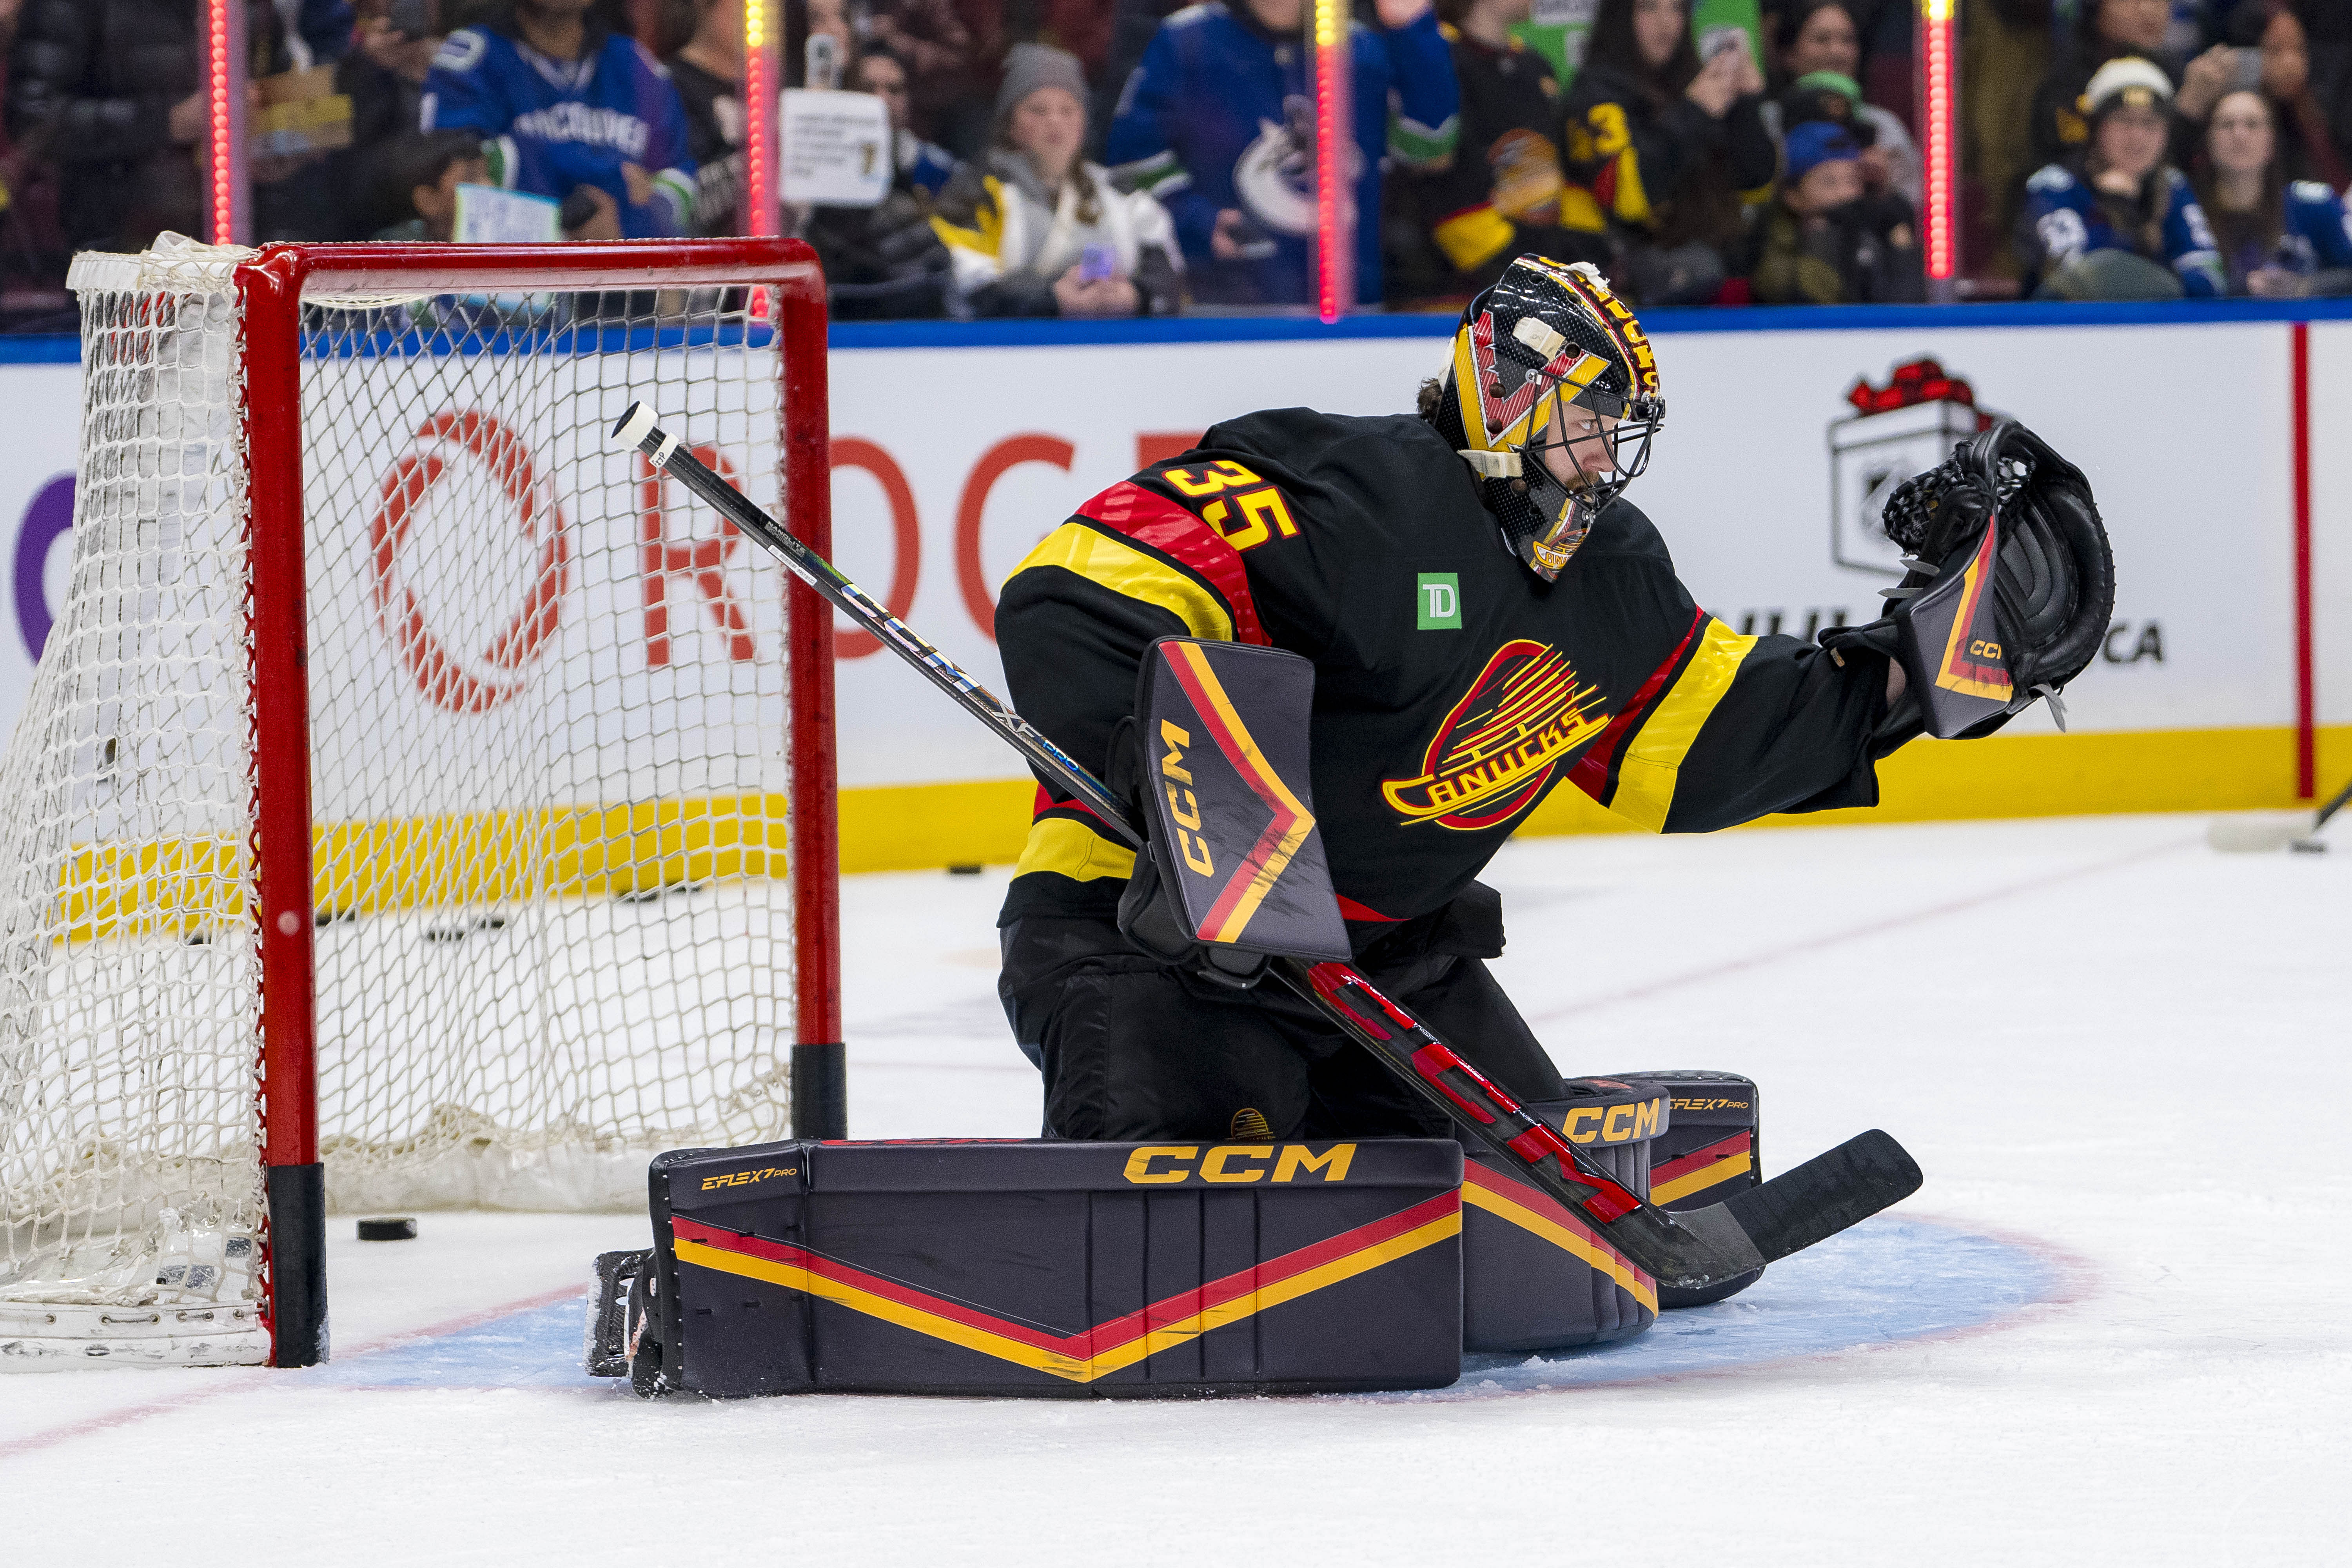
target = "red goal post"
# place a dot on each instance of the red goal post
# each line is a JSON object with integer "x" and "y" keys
{"x": 273, "y": 288}
{"x": 520, "y": 311}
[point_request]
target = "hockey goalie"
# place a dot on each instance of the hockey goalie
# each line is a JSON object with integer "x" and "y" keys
{"x": 1324, "y": 666}
{"x": 1490, "y": 619}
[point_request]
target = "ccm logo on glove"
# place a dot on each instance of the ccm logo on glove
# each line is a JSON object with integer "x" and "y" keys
{"x": 1157, "y": 1164}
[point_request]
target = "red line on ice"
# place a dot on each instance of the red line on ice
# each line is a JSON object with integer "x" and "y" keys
{"x": 1875, "y": 928}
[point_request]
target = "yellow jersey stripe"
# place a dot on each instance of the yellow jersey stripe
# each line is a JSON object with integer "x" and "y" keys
{"x": 1112, "y": 563}
{"x": 1472, "y": 236}
{"x": 1645, "y": 778}
{"x": 1578, "y": 211}
{"x": 1073, "y": 849}
{"x": 1632, "y": 202}
{"x": 986, "y": 235}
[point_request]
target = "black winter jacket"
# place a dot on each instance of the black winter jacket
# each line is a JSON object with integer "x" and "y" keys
{"x": 92, "y": 86}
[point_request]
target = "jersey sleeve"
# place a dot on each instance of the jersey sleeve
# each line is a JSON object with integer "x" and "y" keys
{"x": 669, "y": 156}
{"x": 1425, "y": 121}
{"x": 459, "y": 94}
{"x": 2317, "y": 212}
{"x": 2053, "y": 230}
{"x": 1728, "y": 727}
{"x": 2188, "y": 242}
{"x": 1752, "y": 155}
{"x": 1145, "y": 148}
{"x": 1457, "y": 201}
{"x": 1073, "y": 622}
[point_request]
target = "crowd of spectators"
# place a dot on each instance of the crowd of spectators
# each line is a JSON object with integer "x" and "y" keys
{"x": 1130, "y": 157}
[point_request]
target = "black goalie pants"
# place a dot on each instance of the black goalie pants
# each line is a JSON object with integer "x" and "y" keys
{"x": 1133, "y": 1050}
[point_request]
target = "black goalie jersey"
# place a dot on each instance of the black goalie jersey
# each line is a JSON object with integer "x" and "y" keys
{"x": 1454, "y": 689}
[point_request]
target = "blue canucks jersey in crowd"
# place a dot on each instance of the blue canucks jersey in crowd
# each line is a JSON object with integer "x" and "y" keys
{"x": 560, "y": 124}
{"x": 2068, "y": 219}
{"x": 2318, "y": 235}
{"x": 1220, "y": 114}
{"x": 925, "y": 168}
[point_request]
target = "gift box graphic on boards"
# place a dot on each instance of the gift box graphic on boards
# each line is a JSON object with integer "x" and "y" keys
{"x": 1903, "y": 428}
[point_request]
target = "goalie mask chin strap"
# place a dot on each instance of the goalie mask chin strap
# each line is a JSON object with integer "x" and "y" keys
{"x": 1492, "y": 465}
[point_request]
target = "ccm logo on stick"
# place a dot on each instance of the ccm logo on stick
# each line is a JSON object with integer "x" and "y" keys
{"x": 1158, "y": 1164}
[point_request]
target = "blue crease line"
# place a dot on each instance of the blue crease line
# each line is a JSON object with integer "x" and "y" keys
{"x": 1886, "y": 1281}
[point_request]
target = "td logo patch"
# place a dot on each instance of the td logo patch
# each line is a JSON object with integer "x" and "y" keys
{"x": 1437, "y": 602}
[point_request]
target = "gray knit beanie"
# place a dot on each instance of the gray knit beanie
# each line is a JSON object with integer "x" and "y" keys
{"x": 1028, "y": 67}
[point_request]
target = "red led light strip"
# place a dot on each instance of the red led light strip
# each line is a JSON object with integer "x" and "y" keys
{"x": 1334, "y": 231}
{"x": 225, "y": 125}
{"x": 1939, "y": 134}
{"x": 758, "y": 214}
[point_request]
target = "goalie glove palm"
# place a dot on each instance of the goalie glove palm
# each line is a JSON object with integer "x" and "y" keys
{"x": 1982, "y": 632}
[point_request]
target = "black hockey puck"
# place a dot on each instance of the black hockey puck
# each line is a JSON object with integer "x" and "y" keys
{"x": 401, "y": 1229}
{"x": 964, "y": 870}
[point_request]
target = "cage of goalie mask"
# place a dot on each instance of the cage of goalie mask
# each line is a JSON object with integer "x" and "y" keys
{"x": 1546, "y": 327}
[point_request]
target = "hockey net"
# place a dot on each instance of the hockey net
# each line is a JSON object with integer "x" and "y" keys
{"x": 552, "y": 916}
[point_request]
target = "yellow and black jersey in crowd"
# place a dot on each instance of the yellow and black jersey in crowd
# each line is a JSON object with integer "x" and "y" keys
{"x": 1640, "y": 157}
{"x": 1453, "y": 689}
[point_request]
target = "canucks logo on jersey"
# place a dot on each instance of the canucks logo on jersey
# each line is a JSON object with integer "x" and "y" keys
{"x": 1495, "y": 751}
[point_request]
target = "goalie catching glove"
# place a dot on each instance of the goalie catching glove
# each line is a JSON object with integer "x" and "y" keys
{"x": 2010, "y": 591}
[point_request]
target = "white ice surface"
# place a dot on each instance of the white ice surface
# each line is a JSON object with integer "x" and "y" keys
{"x": 2104, "y": 1043}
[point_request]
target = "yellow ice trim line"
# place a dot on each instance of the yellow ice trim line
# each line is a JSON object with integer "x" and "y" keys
{"x": 176, "y": 886}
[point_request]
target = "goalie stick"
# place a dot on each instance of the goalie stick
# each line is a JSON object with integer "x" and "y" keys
{"x": 1687, "y": 1250}
{"x": 2259, "y": 833}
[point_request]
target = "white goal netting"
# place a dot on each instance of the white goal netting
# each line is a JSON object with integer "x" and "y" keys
{"x": 549, "y": 782}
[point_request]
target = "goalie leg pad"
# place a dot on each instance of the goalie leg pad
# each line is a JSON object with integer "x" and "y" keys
{"x": 1534, "y": 1276}
{"x": 1708, "y": 1154}
{"x": 1058, "y": 1269}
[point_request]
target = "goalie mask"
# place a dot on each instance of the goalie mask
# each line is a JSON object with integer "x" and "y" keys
{"x": 1545, "y": 338}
